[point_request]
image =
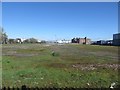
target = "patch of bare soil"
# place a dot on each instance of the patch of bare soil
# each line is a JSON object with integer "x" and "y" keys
{"x": 96, "y": 66}
{"x": 57, "y": 65}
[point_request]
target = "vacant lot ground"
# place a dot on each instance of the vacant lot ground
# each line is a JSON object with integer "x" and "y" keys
{"x": 73, "y": 65}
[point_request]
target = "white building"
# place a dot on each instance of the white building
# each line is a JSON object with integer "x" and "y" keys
{"x": 63, "y": 41}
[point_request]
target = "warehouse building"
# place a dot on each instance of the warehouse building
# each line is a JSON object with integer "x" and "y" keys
{"x": 116, "y": 39}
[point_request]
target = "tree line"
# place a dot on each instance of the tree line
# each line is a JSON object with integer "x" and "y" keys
{"x": 5, "y": 40}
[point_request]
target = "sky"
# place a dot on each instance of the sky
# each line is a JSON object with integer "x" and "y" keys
{"x": 0, "y": 14}
{"x": 60, "y": 20}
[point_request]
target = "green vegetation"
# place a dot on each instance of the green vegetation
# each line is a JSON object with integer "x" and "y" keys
{"x": 72, "y": 65}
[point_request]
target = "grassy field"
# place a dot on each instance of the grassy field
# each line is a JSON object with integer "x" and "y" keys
{"x": 0, "y": 65}
{"x": 73, "y": 65}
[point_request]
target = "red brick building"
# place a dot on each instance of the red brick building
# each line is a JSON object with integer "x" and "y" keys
{"x": 81, "y": 40}
{"x": 85, "y": 41}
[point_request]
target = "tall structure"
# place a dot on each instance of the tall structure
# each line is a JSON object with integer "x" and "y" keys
{"x": 116, "y": 39}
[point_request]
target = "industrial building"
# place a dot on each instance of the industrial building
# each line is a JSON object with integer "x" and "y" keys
{"x": 81, "y": 40}
{"x": 116, "y": 39}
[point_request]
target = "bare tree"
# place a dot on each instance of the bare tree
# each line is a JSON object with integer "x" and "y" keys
{"x": 0, "y": 35}
{"x": 3, "y": 36}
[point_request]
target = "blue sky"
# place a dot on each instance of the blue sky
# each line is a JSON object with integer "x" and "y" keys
{"x": 0, "y": 14}
{"x": 50, "y": 21}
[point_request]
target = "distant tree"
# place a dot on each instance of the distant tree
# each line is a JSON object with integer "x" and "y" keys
{"x": 26, "y": 41}
{"x": 3, "y": 36}
{"x": 72, "y": 40}
{"x": 75, "y": 40}
{"x": 31, "y": 40}
{"x": 11, "y": 41}
{"x": 43, "y": 41}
